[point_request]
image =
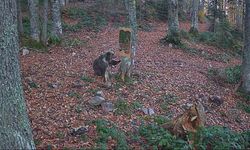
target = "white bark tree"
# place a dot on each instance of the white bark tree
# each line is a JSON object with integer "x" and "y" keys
{"x": 131, "y": 7}
{"x": 56, "y": 19}
{"x": 44, "y": 35}
{"x": 245, "y": 85}
{"x": 194, "y": 19}
{"x": 15, "y": 131}
{"x": 34, "y": 20}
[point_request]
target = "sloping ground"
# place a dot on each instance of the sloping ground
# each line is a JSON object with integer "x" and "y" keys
{"x": 56, "y": 105}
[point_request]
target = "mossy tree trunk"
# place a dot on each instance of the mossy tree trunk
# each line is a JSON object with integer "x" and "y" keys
{"x": 15, "y": 131}
{"x": 245, "y": 85}
{"x": 20, "y": 17}
{"x": 173, "y": 35}
{"x": 44, "y": 35}
{"x": 131, "y": 7}
{"x": 56, "y": 19}
{"x": 173, "y": 22}
{"x": 34, "y": 20}
{"x": 194, "y": 17}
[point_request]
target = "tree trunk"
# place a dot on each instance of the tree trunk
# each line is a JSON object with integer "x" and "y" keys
{"x": 56, "y": 19}
{"x": 194, "y": 20}
{"x": 245, "y": 85}
{"x": 66, "y": 2}
{"x": 44, "y": 35}
{"x": 215, "y": 15}
{"x": 15, "y": 131}
{"x": 131, "y": 7}
{"x": 62, "y": 3}
{"x": 20, "y": 18}
{"x": 238, "y": 15}
{"x": 34, "y": 20}
{"x": 173, "y": 22}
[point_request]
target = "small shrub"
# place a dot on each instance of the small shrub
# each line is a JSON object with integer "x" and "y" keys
{"x": 136, "y": 105}
{"x": 54, "y": 40}
{"x": 173, "y": 38}
{"x": 206, "y": 37}
{"x": 244, "y": 106}
{"x": 106, "y": 130}
{"x": 168, "y": 99}
{"x": 233, "y": 74}
{"x": 75, "y": 13}
{"x": 88, "y": 20}
{"x": 161, "y": 120}
{"x": 212, "y": 72}
{"x": 184, "y": 34}
{"x": 194, "y": 32}
{"x": 78, "y": 109}
{"x": 220, "y": 138}
{"x": 60, "y": 134}
{"x": 26, "y": 25}
{"x": 92, "y": 91}
{"x": 87, "y": 79}
{"x": 74, "y": 94}
{"x": 122, "y": 107}
{"x": 72, "y": 28}
{"x": 33, "y": 84}
{"x": 159, "y": 138}
{"x": 32, "y": 44}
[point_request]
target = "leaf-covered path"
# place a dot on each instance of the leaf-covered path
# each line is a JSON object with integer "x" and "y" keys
{"x": 65, "y": 83}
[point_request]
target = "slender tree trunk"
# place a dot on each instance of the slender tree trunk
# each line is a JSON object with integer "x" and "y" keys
{"x": 44, "y": 35}
{"x": 66, "y": 2}
{"x": 238, "y": 15}
{"x": 194, "y": 20}
{"x": 173, "y": 22}
{"x": 34, "y": 20}
{"x": 62, "y": 3}
{"x": 202, "y": 5}
{"x": 15, "y": 131}
{"x": 245, "y": 85}
{"x": 56, "y": 19}
{"x": 20, "y": 18}
{"x": 131, "y": 7}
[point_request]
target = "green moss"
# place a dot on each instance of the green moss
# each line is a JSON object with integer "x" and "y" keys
{"x": 32, "y": 44}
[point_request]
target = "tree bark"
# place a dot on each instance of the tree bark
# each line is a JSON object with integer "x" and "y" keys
{"x": 34, "y": 20}
{"x": 20, "y": 18}
{"x": 194, "y": 20}
{"x": 173, "y": 22}
{"x": 62, "y": 3}
{"x": 44, "y": 35}
{"x": 56, "y": 19}
{"x": 238, "y": 15}
{"x": 245, "y": 85}
{"x": 15, "y": 131}
{"x": 131, "y": 7}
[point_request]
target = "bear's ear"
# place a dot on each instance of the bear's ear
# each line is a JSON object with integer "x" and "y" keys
{"x": 109, "y": 56}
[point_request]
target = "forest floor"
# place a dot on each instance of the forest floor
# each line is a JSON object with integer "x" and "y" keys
{"x": 56, "y": 105}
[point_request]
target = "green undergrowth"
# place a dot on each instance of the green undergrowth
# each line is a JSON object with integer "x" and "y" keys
{"x": 32, "y": 44}
{"x": 153, "y": 136}
{"x": 87, "y": 20}
{"x": 231, "y": 75}
{"x": 220, "y": 57}
{"x": 107, "y": 131}
{"x": 122, "y": 107}
{"x": 218, "y": 138}
{"x": 225, "y": 37}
